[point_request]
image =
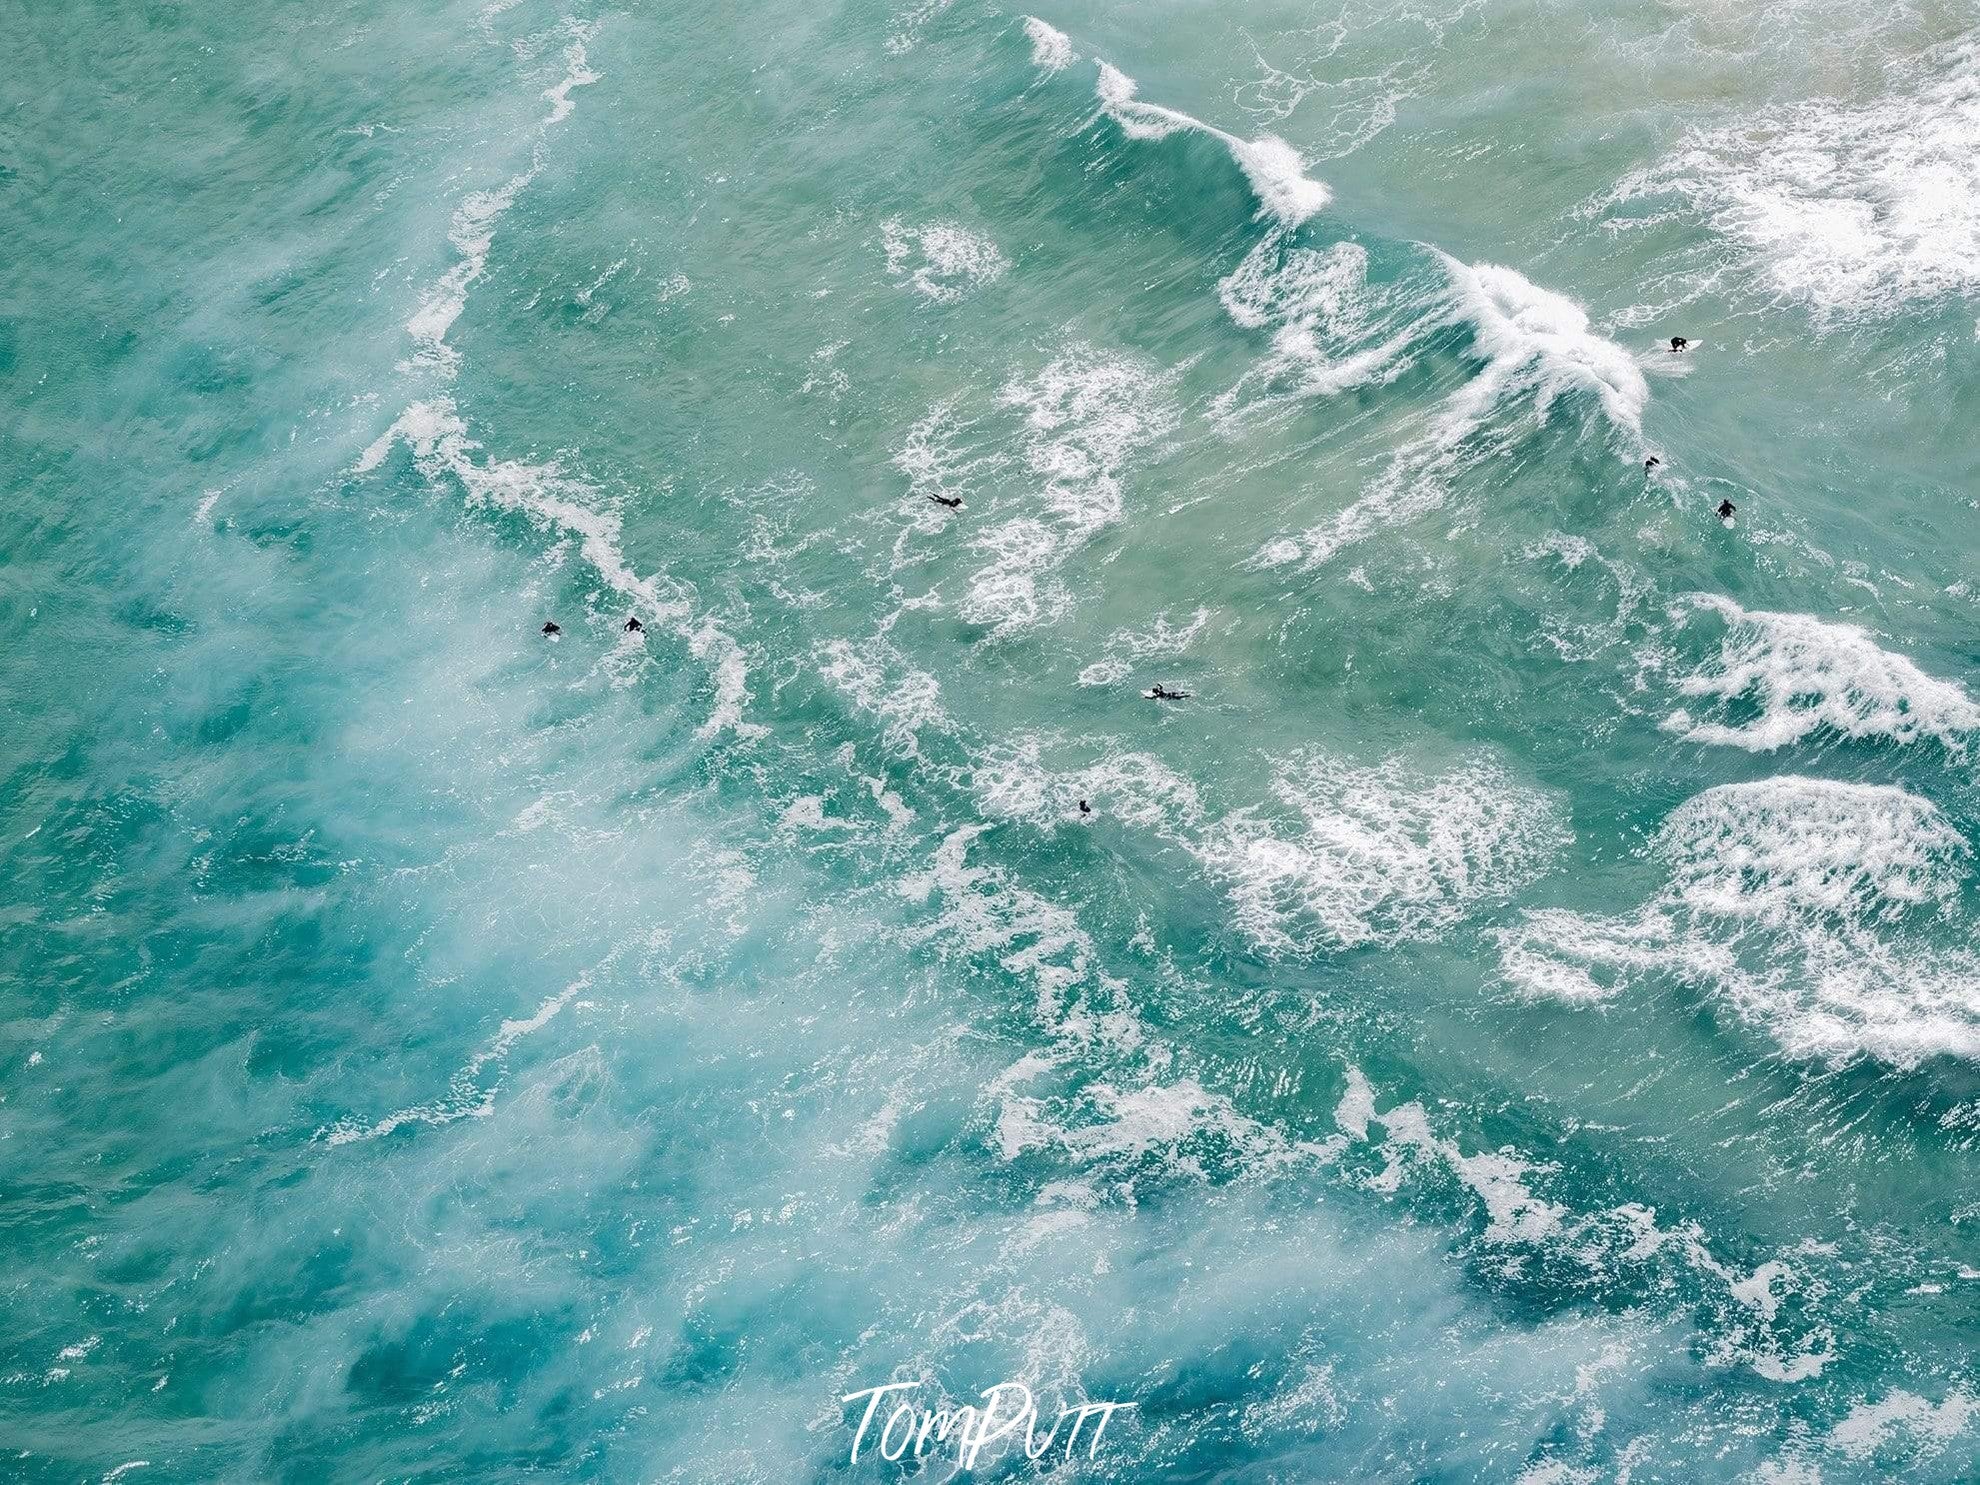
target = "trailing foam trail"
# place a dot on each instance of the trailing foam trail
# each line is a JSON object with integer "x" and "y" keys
{"x": 441, "y": 448}
{"x": 550, "y": 499}
{"x": 472, "y": 231}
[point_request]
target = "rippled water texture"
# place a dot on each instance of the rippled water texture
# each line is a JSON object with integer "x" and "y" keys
{"x": 1518, "y": 1019}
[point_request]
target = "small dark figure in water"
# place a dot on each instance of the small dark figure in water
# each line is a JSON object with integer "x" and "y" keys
{"x": 1726, "y": 509}
{"x": 1651, "y": 463}
{"x": 551, "y": 630}
{"x": 633, "y": 626}
{"x": 953, "y": 502}
{"x": 1085, "y": 808}
{"x": 1157, "y": 693}
{"x": 1678, "y": 344}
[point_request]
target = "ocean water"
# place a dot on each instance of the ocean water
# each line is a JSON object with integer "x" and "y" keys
{"x": 1518, "y": 1020}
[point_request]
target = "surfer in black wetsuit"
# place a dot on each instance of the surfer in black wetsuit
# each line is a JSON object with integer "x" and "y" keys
{"x": 953, "y": 502}
{"x": 551, "y": 631}
{"x": 633, "y": 626}
{"x": 1085, "y": 808}
{"x": 1157, "y": 693}
{"x": 1726, "y": 509}
{"x": 1651, "y": 463}
{"x": 1679, "y": 344}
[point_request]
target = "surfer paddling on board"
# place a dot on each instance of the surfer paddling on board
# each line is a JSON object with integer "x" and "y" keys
{"x": 951, "y": 502}
{"x": 1159, "y": 693}
{"x": 1725, "y": 511}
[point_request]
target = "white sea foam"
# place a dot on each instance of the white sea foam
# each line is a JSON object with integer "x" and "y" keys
{"x": 1086, "y": 413}
{"x": 1555, "y": 954}
{"x": 1318, "y": 307}
{"x": 1278, "y": 177}
{"x": 942, "y": 261}
{"x": 1751, "y": 1326}
{"x": 1280, "y": 284}
{"x": 577, "y": 74}
{"x": 1012, "y": 782}
{"x": 1806, "y": 906}
{"x": 1277, "y": 174}
{"x": 567, "y": 507}
{"x": 467, "y": 1096}
{"x": 1780, "y": 848}
{"x": 1810, "y": 675}
{"x": 1140, "y": 1119}
{"x": 909, "y": 22}
{"x": 542, "y": 493}
{"x": 472, "y": 234}
{"x": 942, "y": 454}
{"x": 1051, "y": 49}
{"x": 1381, "y": 854}
{"x": 1313, "y": 1400}
{"x": 807, "y": 812}
{"x": 1537, "y": 344}
{"x": 472, "y": 231}
{"x": 1349, "y": 70}
{"x": 1929, "y": 1426}
{"x": 1356, "y": 1109}
{"x": 1121, "y": 1120}
{"x": 1498, "y": 1178}
{"x": 881, "y": 682}
{"x": 984, "y": 914}
{"x": 1850, "y": 208}
{"x": 1124, "y": 647}
{"x": 1575, "y": 628}
{"x": 1124, "y": 1126}
{"x": 1016, "y": 589}
{"x": 1085, "y": 416}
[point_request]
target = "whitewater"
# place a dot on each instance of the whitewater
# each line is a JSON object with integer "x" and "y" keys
{"x": 594, "y": 868}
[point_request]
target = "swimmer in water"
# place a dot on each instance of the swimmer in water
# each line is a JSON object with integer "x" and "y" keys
{"x": 1725, "y": 512}
{"x": 953, "y": 502}
{"x": 1157, "y": 693}
{"x": 1679, "y": 345}
{"x": 633, "y": 626}
{"x": 1651, "y": 463}
{"x": 1085, "y": 808}
{"x": 551, "y": 631}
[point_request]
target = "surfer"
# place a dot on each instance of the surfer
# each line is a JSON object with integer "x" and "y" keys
{"x": 1679, "y": 345}
{"x": 633, "y": 626}
{"x": 551, "y": 631}
{"x": 1651, "y": 463}
{"x": 1085, "y": 808}
{"x": 1725, "y": 512}
{"x": 1157, "y": 693}
{"x": 953, "y": 502}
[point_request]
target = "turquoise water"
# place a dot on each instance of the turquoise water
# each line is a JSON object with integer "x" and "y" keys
{"x": 1516, "y": 1020}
